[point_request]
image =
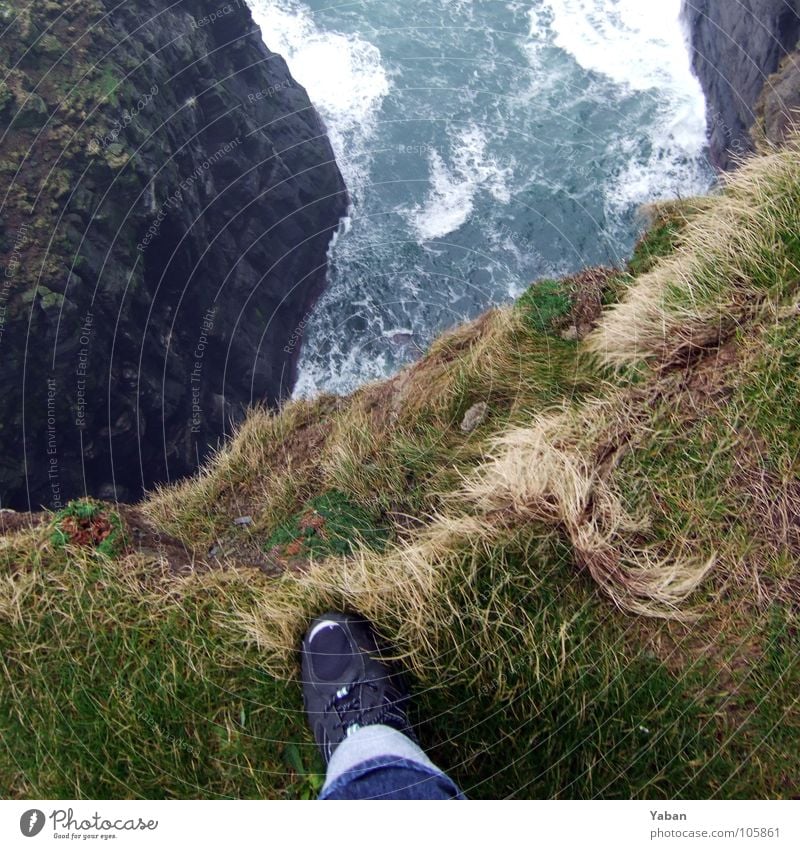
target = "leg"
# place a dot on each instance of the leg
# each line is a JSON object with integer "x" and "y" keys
{"x": 356, "y": 703}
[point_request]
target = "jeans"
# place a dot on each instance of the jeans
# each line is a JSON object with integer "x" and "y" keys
{"x": 377, "y": 762}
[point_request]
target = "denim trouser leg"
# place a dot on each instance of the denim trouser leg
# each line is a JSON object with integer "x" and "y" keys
{"x": 377, "y": 762}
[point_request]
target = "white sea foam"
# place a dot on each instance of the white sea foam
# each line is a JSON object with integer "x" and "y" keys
{"x": 451, "y": 197}
{"x": 641, "y": 47}
{"x": 539, "y": 20}
{"x": 343, "y": 74}
{"x": 635, "y": 43}
{"x": 345, "y": 370}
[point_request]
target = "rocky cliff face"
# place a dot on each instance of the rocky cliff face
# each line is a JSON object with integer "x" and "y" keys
{"x": 737, "y": 46}
{"x": 169, "y": 194}
{"x": 778, "y": 108}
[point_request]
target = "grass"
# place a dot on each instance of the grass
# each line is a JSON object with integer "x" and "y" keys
{"x": 138, "y": 684}
{"x": 389, "y": 447}
{"x": 596, "y": 589}
{"x": 126, "y": 680}
{"x": 660, "y": 239}
{"x": 771, "y": 390}
{"x": 327, "y": 526}
{"x": 739, "y": 255}
{"x": 544, "y": 302}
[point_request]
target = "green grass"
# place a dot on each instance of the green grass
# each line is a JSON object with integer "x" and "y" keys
{"x": 771, "y": 392}
{"x": 328, "y": 525}
{"x": 111, "y": 691}
{"x": 119, "y": 687}
{"x": 545, "y": 301}
{"x": 588, "y": 710}
{"x": 658, "y": 242}
{"x": 724, "y": 467}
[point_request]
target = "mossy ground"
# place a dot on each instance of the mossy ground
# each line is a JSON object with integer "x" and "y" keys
{"x": 88, "y": 524}
{"x": 596, "y": 589}
{"x": 328, "y": 525}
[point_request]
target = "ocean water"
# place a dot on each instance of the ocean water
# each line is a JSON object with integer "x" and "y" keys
{"x": 486, "y": 144}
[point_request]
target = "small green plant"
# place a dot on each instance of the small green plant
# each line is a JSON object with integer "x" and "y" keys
{"x": 310, "y": 778}
{"x": 86, "y": 524}
{"x": 106, "y": 87}
{"x": 544, "y": 302}
{"x": 328, "y": 525}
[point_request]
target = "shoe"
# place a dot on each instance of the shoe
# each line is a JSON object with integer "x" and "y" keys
{"x": 346, "y": 683}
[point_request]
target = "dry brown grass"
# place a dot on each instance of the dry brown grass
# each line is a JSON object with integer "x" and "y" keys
{"x": 734, "y": 256}
{"x": 555, "y": 473}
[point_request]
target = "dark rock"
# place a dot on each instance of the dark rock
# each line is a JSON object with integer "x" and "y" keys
{"x": 141, "y": 318}
{"x": 736, "y": 47}
{"x": 778, "y": 107}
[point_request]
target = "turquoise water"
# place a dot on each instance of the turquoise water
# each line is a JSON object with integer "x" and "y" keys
{"x": 486, "y": 144}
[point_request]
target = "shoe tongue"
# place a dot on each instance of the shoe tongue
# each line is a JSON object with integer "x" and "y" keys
{"x": 330, "y": 653}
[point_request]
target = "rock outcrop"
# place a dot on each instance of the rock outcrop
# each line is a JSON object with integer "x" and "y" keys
{"x": 736, "y": 47}
{"x": 778, "y": 108}
{"x": 169, "y": 195}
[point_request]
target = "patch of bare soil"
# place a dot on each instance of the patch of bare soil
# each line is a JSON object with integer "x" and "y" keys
{"x": 12, "y": 521}
{"x": 145, "y": 539}
{"x": 586, "y": 290}
{"x": 247, "y": 553}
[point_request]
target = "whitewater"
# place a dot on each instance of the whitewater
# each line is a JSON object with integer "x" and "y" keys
{"x": 485, "y": 145}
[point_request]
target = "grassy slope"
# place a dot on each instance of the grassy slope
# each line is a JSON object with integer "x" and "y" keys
{"x": 596, "y": 588}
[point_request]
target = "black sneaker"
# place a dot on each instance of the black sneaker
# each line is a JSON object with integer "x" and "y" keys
{"x": 346, "y": 684}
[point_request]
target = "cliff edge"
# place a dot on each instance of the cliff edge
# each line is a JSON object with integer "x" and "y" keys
{"x": 169, "y": 197}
